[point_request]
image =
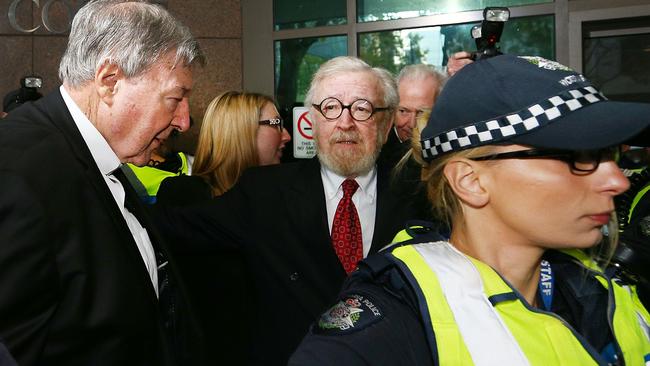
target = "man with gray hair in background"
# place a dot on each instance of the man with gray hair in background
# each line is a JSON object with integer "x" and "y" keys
{"x": 303, "y": 226}
{"x": 418, "y": 87}
{"x": 84, "y": 278}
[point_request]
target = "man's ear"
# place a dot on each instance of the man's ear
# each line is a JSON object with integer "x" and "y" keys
{"x": 464, "y": 177}
{"x": 106, "y": 81}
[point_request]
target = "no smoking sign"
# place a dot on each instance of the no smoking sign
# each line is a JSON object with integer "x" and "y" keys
{"x": 303, "y": 137}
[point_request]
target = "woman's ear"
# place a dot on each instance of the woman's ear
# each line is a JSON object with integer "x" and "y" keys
{"x": 464, "y": 177}
{"x": 106, "y": 81}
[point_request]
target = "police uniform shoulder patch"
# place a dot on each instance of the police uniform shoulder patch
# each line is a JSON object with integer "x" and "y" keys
{"x": 353, "y": 312}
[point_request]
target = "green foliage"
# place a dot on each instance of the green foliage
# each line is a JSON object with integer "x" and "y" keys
{"x": 310, "y": 63}
{"x": 298, "y": 59}
{"x": 374, "y": 10}
{"x": 387, "y": 50}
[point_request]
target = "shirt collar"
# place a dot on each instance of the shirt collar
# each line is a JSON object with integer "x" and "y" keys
{"x": 332, "y": 183}
{"x": 105, "y": 158}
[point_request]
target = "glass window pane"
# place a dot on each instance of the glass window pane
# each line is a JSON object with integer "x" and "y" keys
{"x": 534, "y": 36}
{"x": 373, "y": 10}
{"x": 296, "y": 60}
{"x": 292, "y": 14}
{"x": 618, "y": 64}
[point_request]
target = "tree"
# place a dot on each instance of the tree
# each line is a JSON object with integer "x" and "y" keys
{"x": 387, "y": 50}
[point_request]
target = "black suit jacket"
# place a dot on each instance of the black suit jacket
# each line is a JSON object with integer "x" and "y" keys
{"x": 5, "y": 358}
{"x": 277, "y": 216}
{"x": 74, "y": 289}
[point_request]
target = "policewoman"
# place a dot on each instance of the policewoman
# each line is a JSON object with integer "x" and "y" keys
{"x": 519, "y": 158}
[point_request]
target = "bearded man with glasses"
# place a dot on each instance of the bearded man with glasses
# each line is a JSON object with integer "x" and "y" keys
{"x": 304, "y": 226}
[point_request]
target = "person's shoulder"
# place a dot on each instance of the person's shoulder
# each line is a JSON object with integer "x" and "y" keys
{"x": 184, "y": 181}
{"x": 376, "y": 290}
{"x": 369, "y": 324}
{"x": 21, "y": 123}
{"x": 280, "y": 172}
{"x": 183, "y": 190}
{"x": 356, "y": 309}
{"x": 29, "y": 126}
{"x": 25, "y": 145}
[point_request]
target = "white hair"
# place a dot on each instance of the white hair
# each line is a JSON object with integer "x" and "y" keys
{"x": 132, "y": 34}
{"x": 342, "y": 64}
{"x": 421, "y": 72}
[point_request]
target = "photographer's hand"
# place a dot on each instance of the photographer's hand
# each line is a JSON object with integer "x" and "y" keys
{"x": 457, "y": 61}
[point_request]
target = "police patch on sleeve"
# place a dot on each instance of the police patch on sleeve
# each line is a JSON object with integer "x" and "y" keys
{"x": 352, "y": 313}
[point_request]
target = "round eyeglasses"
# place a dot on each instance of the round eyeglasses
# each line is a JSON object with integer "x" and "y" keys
{"x": 580, "y": 161}
{"x": 360, "y": 110}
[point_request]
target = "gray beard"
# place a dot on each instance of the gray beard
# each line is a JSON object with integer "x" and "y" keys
{"x": 349, "y": 165}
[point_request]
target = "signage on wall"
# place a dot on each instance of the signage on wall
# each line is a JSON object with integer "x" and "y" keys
{"x": 45, "y": 9}
{"x": 303, "y": 136}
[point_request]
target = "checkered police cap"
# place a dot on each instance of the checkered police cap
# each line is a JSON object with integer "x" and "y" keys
{"x": 529, "y": 101}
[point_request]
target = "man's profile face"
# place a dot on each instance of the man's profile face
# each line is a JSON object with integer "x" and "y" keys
{"x": 415, "y": 95}
{"x": 147, "y": 108}
{"x": 346, "y": 146}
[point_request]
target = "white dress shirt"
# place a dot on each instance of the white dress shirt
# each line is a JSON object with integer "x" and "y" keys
{"x": 364, "y": 199}
{"x": 107, "y": 161}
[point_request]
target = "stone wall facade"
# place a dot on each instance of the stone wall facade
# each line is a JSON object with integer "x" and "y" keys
{"x": 33, "y": 37}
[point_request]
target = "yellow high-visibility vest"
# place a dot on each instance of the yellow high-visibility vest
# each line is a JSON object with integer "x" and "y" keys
{"x": 477, "y": 318}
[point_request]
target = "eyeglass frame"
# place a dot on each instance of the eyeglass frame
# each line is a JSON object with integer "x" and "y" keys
{"x": 349, "y": 108}
{"x": 273, "y": 122}
{"x": 570, "y": 157}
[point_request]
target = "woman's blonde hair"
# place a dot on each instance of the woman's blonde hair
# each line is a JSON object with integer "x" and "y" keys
{"x": 228, "y": 139}
{"x": 444, "y": 203}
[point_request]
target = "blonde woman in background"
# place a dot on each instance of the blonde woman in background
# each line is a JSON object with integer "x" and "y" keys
{"x": 240, "y": 130}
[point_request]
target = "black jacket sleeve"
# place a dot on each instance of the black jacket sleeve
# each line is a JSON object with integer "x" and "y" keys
{"x": 369, "y": 325}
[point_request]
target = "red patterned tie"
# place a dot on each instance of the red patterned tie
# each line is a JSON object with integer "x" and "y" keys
{"x": 346, "y": 229}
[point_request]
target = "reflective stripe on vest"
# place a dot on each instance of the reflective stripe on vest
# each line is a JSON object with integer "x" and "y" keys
{"x": 467, "y": 329}
{"x": 636, "y": 201}
{"x": 634, "y": 341}
{"x": 463, "y": 290}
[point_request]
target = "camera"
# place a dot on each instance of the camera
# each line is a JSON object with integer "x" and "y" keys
{"x": 488, "y": 33}
{"x": 28, "y": 91}
{"x": 629, "y": 262}
{"x": 33, "y": 82}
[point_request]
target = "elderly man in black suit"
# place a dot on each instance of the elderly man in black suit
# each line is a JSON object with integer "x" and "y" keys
{"x": 303, "y": 226}
{"x": 84, "y": 280}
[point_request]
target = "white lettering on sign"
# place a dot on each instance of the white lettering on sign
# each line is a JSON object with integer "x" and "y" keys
{"x": 303, "y": 137}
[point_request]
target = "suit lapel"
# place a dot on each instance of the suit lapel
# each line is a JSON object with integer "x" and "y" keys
{"x": 54, "y": 106}
{"x": 305, "y": 205}
{"x": 387, "y": 206}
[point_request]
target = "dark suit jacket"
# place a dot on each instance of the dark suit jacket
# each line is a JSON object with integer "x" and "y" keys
{"x": 73, "y": 287}
{"x": 5, "y": 358}
{"x": 277, "y": 215}
{"x": 227, "y": 336}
